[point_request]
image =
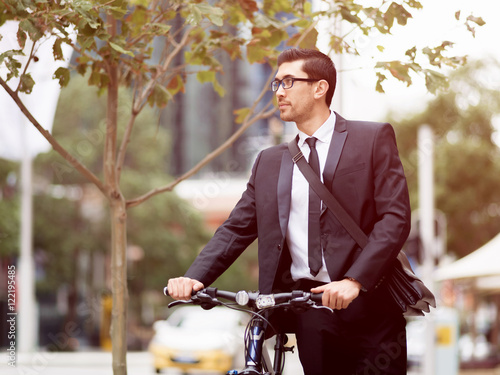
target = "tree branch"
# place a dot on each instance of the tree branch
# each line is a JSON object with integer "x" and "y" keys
{"x": 109, "y": 157}
{"x": 123, "y": 147}
{"x": 149, "y": 87}
{"x": 75, "y": 163}
{"x": 139, "y": 103}
{"x": 247, "y": 122}
{"x": 264, "y": 113}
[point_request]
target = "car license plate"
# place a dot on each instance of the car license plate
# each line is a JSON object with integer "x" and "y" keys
{"x": 185, "y": 358}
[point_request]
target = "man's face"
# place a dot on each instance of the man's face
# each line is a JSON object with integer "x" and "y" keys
{"x": 294, "y": 103}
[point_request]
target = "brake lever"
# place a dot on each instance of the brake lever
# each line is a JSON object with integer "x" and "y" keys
{"x": 314, "y": 306}
{"x": 202, "y": 299}
{"x": 179, "y": 302}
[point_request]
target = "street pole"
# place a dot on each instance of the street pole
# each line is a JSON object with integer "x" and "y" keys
{"x": 27, "y": 310}
{"x": 427, "y": 232}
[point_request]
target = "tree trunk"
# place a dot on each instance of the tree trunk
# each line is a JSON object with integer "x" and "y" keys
{"x": 118, "y": 215}
{"x": 119, "y": 285}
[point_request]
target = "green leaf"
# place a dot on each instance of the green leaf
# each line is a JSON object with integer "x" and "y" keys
{"x": 241, "y": 114}
{"x": 309, "y": 41}
{"x": 398, "y": 70}
{"x": 477, "y": 20}
{"x": 160, "y": 96}
{"x": 175, "y": 85}
{"x": 256, "y": 53}
{"x": 214, "y": 14}
{"x": 160, "y": 28}
{"x": 380, "y": 78}
{"x": 34, "y": 32}
{"x": 205, "y": 76}
{"x": 402, "y": 15}
{"x": 57, "y": 50}
{"x": 414, "y": 4}
{"x": 143, "y": 3}
{"x": 21, "y": 37}
{"x": 119, "y": 49}
{"x": 10, "y": 54}
{"x": 198, "y": 11}
{"x": 195, "y": 15}
{"x": 63, "y": 75}
{"x": 349, "y": 16}
{"x": 435, "y": 81}
{"x": 26, "y": 83}
{"x": 219, "y": 89}
{"x": 411, "y": 53}
{"x": 271, "y": 7}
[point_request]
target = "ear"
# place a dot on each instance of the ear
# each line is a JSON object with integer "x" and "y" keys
{"x": 321, "y": 89}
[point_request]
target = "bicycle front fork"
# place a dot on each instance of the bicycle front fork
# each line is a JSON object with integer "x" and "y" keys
{"x": 253, "y": 353}
{"x": 256, "y": 359}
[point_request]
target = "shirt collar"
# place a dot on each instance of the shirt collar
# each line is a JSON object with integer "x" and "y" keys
{"x": 323, "y": 134}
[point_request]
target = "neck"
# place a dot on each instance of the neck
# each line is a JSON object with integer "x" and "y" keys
{"x": 313, "y": 122}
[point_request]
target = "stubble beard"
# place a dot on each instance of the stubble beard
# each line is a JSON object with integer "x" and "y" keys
{"x": 286, "y": 116}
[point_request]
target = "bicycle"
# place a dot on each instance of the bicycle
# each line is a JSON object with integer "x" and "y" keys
{"x": 257, "y": 359}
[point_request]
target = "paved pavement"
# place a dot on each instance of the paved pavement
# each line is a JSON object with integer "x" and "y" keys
{"x": 96, "y": 363}
{"x": 75, "y": 363}
{"x": 138, "y": 363}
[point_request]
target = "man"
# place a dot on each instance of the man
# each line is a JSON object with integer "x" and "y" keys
{"x": 360, "y": 165}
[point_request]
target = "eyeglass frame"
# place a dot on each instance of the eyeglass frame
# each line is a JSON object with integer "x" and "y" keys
{"x": 282, "y": 84}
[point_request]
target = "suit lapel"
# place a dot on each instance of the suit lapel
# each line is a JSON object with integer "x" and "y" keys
{"x": 335, "y": 150}
{"x": 285, "y": 190}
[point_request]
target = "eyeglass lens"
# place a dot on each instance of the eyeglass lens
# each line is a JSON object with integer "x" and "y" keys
{"x": 285, "y": 82}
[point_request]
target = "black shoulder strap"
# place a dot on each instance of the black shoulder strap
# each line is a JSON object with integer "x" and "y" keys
{"x": 332, "y": 203}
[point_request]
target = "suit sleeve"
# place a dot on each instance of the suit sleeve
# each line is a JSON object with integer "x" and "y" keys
{"x": 393, "y": 213}
{"x": 230, "y": 239}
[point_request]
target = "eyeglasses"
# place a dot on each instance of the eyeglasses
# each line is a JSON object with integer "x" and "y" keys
{"x": 287, "y": 82}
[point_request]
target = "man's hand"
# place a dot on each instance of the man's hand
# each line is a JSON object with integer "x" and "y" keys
{"x": 338, "y": 295}
{"x": 182, "y": 287}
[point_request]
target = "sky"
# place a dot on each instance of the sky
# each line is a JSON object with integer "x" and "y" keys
{"x": 430, "y": 26}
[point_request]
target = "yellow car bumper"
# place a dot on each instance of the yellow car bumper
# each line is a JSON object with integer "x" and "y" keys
{"x": 208, "y": 360}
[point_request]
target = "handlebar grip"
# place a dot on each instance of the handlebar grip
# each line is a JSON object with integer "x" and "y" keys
{"x": 165, "y": 292}
{"x": 317, "y": 298}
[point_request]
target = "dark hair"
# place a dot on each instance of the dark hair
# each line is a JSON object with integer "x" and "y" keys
{"x": 316, "y": 65}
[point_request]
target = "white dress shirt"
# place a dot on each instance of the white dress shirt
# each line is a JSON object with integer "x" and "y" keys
{"x": 297, "y": 236}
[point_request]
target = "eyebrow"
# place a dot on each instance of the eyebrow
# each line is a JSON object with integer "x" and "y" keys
{"x": 287, "y": 76}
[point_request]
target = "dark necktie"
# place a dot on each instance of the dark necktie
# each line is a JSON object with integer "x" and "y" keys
{"x": 314, "y": 243}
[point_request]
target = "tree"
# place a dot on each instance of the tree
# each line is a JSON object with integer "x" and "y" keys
{"x": 114, "y": 43}
{"x": 162, "y": 228}
{"x": 467, "y": 160}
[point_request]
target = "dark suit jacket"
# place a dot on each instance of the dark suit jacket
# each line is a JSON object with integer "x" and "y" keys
{"x": 364, "y": 172}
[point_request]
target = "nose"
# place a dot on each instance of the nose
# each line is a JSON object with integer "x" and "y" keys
{"x": 281, "y": 91}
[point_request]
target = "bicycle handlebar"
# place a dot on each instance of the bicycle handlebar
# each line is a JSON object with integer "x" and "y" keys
{"x": 209, "y": 297}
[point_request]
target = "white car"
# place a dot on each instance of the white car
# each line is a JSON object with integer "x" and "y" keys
{"x": 196, "y": 339}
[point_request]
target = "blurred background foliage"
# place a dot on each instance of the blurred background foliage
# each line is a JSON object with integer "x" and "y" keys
{"x": 466, "y": 158}
{"x": 9, "y": 209}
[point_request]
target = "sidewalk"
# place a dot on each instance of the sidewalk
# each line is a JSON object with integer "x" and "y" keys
{"x": 495, "y": 371}
{"x": 40, "y": 361}
{"x": 77, "y": 359}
